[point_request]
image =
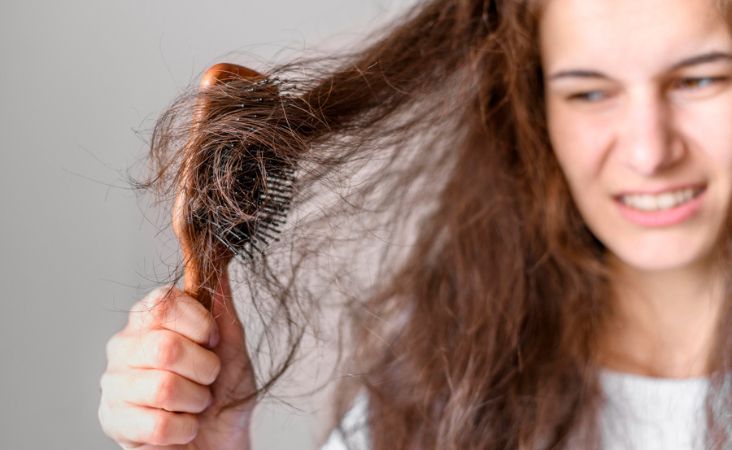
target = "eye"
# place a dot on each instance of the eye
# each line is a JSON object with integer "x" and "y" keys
{"x": 696, "y": 83}
{"x": 587, "y": 97}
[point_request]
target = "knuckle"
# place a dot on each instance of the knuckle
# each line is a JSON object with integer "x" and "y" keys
{"x": 166, "y": 387}
{"x": 105, "y": 383}
{"x": 161, "y": 294}
{"x": 161, "y": 428}
{"x": 166, "y": 349}
{"x": 109, "y": 426}
{"x": 112, "y": 346}
{"x": 107, "y": 421}
{"x": 169, "y": 428}
{"x": 102, "y": 417}
{"x": 154, "y": 307}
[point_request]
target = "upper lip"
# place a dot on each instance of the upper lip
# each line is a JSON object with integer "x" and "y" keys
{"x": 662, "y": 190}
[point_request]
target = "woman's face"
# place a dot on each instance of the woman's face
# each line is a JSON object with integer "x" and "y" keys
{"x": 639, "y": 108}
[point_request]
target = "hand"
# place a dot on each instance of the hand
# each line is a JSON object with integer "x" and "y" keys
{"x": 172, "y": 369}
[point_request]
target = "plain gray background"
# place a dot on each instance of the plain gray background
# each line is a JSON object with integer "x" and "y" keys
{"x": 79, "y": 80}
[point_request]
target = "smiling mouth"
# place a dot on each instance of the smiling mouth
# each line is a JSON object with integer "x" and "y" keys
{"x": 662, "y": 201}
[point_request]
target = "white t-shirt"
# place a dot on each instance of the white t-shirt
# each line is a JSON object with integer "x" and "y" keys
{"x": 641, "y": 413}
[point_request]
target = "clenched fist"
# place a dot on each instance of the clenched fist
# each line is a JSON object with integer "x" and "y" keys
{"x": 172, "y": 369}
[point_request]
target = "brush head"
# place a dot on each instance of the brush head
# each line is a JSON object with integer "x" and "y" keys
{"x": 234, "y": 190}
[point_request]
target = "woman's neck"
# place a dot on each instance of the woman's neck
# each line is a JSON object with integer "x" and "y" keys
{"x": 662, "y": 323}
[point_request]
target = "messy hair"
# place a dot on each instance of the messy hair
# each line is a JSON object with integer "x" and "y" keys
{"x": 429, "y": 203}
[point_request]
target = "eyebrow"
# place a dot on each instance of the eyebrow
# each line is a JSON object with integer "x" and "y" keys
{"x": 692, "y": 61}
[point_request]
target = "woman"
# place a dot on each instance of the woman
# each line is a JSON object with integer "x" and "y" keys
{"x": 576, "y": 161}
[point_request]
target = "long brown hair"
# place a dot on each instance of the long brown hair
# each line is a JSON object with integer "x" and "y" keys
{"x": 430, "y": 203}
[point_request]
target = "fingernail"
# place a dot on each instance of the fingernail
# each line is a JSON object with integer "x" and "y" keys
{"x": 214, "y": 339}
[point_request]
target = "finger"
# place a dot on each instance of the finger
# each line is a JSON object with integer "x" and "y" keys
{"x": 133, "y": 426}
{"x": 169, "y": 308}
{"x": 165, "y": 350}
{"x": 155, "y": 389}
{"x": 227, "y": 321}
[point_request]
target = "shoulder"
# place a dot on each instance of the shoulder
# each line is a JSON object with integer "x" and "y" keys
{"x": 352, "y": 433}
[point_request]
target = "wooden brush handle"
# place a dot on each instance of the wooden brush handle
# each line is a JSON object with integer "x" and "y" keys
{"x": 223, "y": 72}
{"x": 195, "y": 282}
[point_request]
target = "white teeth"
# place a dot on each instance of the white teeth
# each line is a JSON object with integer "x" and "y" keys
{"x": 667, "y": 200}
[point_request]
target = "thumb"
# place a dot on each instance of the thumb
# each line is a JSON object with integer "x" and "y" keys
{"x": 230, "y": 328}
{"x": 236, "y": 378}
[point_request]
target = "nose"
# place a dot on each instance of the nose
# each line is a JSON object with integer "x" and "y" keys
{"x": 649, "y": 142}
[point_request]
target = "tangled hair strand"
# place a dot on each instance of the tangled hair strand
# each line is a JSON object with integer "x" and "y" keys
{"x": 427, "y": 201}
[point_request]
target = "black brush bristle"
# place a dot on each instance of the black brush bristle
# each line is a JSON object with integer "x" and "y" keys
{"x": 272, "y": 199}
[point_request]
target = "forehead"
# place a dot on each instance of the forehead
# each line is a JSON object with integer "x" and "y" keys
{"x": 628, "y": 34}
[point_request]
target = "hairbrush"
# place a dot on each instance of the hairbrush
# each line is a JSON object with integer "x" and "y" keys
{"x": 263, "y": 181}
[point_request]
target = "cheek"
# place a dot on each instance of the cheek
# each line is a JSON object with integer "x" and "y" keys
{"x": 711, "y": 129}
{"x": 580, "y": 145}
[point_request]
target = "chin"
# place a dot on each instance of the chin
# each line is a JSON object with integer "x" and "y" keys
{"x": 671, "y": 257}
